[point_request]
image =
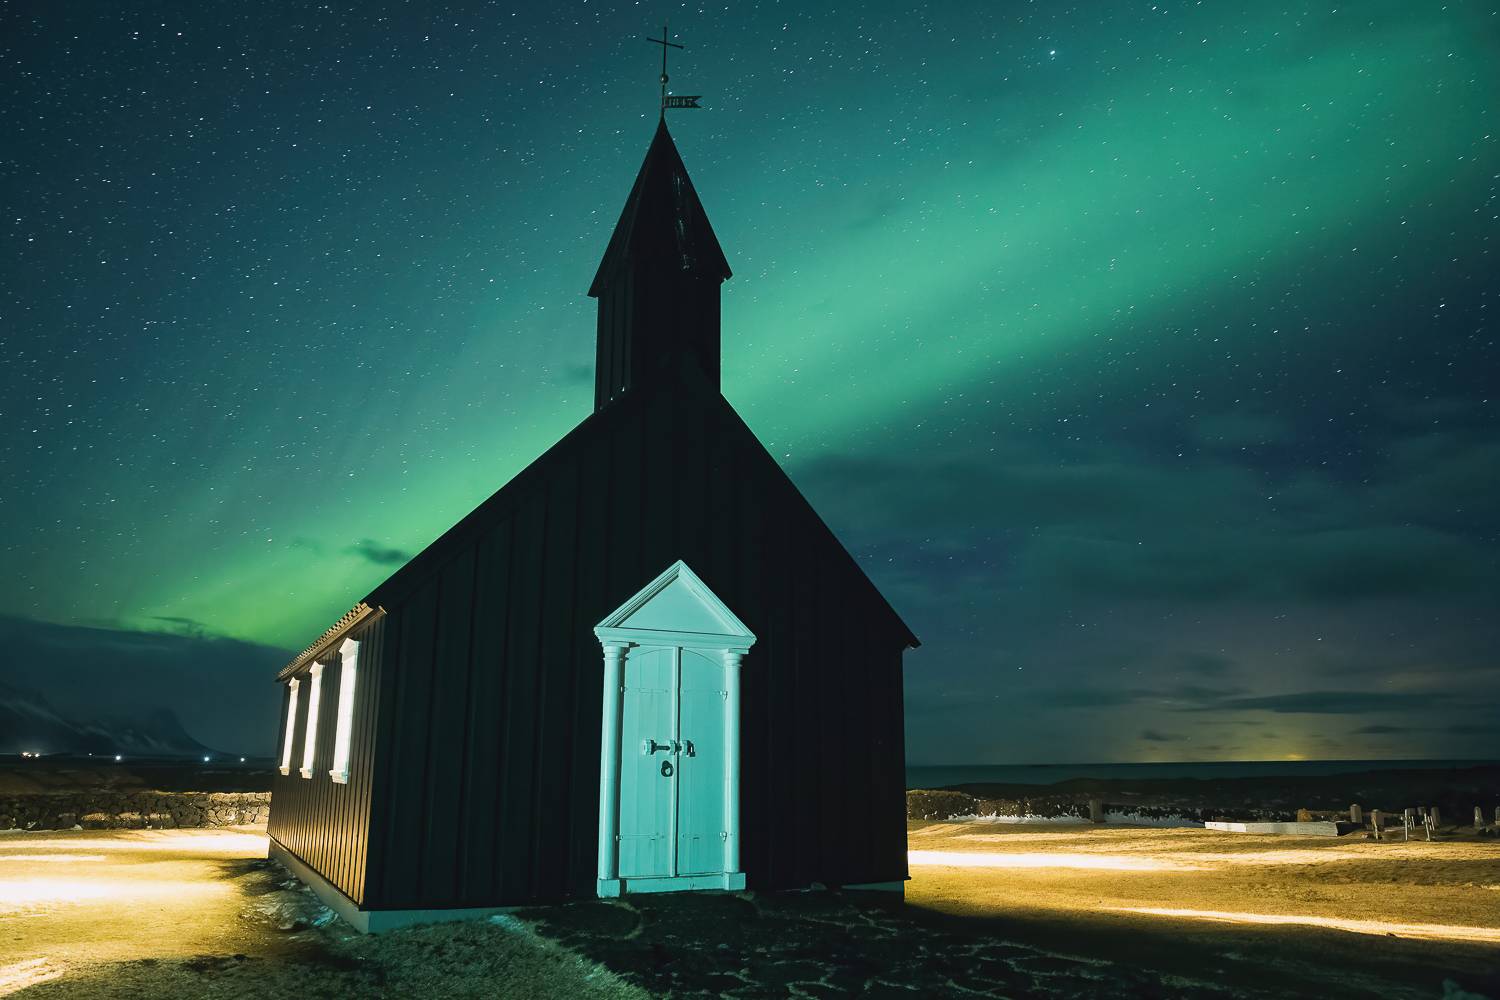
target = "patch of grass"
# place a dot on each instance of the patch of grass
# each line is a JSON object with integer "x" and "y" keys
{"x": 477, "y": 959}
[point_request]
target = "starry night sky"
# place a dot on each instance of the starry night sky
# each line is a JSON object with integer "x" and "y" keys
{"x": 1144, "y": 354}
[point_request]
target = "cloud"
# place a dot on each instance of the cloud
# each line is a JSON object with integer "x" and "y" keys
{"x": 576, "y": 374}
{"x": 380, "y": 555}
{"x": 1089, "y": 698}
{"x": 1338, "y": 565}
{"x": 1122, "y": 522}
{"x": 221, "y": 689}
{"x": 1175, "y": 696}
{"x": 188, "y": 627}
{"x": 1206, "y": 664}
{"x": 1242, "y": 428}
{"x": 1155, "y": 736}
{"x": 1334, "y": 702}
{"x": 1459, "y": 730}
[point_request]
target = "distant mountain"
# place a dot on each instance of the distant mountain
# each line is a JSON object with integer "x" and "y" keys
{"x": 28, "y": 722}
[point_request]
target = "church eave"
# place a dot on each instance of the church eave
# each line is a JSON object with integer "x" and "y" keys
{"x": 908, "y": 636}
{"x": 355, "y": 616}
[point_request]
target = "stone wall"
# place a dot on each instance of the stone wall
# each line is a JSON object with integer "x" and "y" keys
{"x": 132, "y": 810}
{"x": 947, "y": 803}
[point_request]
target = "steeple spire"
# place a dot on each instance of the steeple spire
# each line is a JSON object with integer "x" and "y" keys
{"x": 658, "y": 284}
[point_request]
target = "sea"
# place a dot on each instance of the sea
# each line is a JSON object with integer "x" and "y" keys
{"x": 941, "y": 776}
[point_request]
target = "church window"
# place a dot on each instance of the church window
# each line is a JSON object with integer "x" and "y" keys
{"x": 344, "y": 731}
{"x": 291, "y": 727}
{"x": 310, "y": 742}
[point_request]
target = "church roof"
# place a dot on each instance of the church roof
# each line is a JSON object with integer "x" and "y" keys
{"x": 663, "y": 220}
{"x": 708, "y": 408}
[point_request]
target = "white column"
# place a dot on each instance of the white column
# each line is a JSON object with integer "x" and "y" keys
{"x": 732, "y": 759}
{"x": 609, "y": 760}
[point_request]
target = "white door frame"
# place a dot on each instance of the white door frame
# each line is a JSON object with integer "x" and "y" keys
{"x": 618, "y": 634}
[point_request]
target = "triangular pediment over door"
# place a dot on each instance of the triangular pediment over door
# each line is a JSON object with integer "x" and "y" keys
{"x": 676, "y": 607}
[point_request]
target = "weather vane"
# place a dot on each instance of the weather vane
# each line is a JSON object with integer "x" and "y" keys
{"x": 671, "y": 100}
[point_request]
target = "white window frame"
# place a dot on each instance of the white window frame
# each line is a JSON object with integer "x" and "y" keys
{"x": 314, "y": 703}
{"x": 291, "y": 727}
{"x": 344, "y": 733}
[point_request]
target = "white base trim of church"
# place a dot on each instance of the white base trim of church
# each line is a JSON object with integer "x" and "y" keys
{"x": 730, "y": 881}
{"x": 371, "y": 921}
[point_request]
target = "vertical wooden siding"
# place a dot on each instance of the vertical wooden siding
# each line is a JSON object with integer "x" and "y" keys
{"x": 319, "y": 820}
{"x": 488, "y": 760}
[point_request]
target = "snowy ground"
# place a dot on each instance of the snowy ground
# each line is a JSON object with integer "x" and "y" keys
{"x": 992, "y": 911}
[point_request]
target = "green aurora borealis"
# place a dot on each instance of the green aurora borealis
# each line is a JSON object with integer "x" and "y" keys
{"x": 1143, "y": 354}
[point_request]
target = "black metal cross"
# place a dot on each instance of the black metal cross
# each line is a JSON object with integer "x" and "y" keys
{"x": 677, "y": 102}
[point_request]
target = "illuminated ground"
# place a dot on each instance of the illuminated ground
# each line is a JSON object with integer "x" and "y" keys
{"x": 194, "y": 913}
{"x": 1342, "y": 910}
{"x": 994, "y": 910}
{"x": 69, "y": 900}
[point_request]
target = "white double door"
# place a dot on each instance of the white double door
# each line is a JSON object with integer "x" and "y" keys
{"x": 673, "y": 783}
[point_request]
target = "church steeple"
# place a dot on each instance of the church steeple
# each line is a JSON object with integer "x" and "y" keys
{"x": 658, "y": 284}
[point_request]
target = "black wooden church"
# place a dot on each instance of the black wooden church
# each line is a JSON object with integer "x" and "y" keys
{"x": 644, "y": 665}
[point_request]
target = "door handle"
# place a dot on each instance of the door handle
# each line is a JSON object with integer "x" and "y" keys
{"x": 650, "y": 746}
